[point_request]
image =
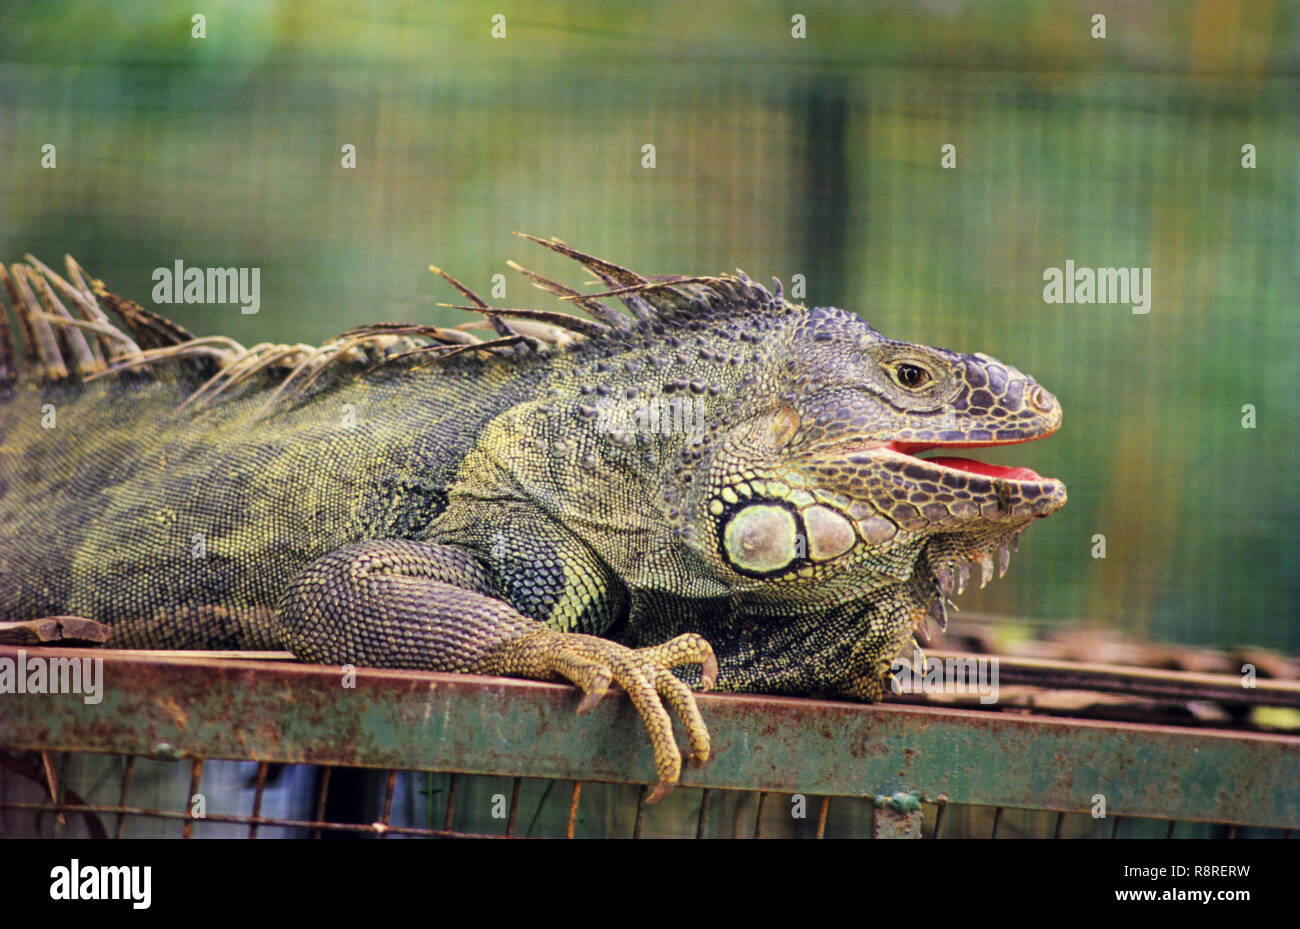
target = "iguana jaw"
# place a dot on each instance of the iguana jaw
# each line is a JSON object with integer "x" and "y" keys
{"x": 951, "y": 494}
{"x": 1019, "y": 495}
{"x": 1001, "y": 493}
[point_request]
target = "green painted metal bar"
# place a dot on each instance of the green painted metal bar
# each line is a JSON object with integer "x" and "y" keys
{"x": 180, "y": 707}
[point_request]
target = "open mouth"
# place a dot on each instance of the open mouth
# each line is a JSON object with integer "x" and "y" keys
{"x": 969, "y": 465}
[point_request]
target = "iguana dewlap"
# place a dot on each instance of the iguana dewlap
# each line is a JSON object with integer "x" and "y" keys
{"x": 717, "y": 479}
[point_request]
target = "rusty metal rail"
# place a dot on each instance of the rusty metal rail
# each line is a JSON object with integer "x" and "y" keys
{"x": 1139, "y": 682}
{"x": 183, "y": 707}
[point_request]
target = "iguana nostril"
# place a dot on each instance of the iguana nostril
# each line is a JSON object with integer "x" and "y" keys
{"x": 1041, "y": 400}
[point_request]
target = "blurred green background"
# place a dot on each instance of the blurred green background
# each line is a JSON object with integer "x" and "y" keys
{"x": 817, "y": 156}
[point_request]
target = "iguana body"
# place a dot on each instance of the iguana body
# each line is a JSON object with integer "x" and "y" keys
{"x": 591, "y": 500}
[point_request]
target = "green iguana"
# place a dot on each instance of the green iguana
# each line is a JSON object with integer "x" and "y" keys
{"x": 717, "y": 480}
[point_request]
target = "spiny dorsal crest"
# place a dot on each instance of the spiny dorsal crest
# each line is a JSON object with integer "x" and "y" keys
{"x": 59, "y": 342}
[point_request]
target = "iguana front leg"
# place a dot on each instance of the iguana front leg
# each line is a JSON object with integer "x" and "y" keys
{"x": 425, "y": 606}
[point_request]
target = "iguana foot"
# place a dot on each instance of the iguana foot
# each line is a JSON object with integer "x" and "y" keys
{"x": 645, "y": 673}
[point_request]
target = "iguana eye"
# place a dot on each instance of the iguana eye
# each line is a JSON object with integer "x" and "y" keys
{"x": 910, "y": 375}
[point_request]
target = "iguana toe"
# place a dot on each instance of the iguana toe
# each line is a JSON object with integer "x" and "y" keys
{"x": 683, "y": 650}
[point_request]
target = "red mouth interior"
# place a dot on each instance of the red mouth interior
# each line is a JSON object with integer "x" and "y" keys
{"x": 967, "y": 464}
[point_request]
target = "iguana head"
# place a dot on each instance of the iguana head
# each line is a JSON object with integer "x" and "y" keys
{"x": 830, "y": 484}
{"x": 836, "y": 489}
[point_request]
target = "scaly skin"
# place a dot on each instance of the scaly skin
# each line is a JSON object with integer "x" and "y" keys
{"x": 721, "y": 482}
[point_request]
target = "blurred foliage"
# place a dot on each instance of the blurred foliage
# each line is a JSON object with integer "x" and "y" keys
{"x": 817, "y": 157}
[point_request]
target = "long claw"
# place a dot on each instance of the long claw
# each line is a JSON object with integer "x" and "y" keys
{"x": 944, "y": 578}
{"x": 594, "y": 695}
{"x": 708, "y": 672}
{"x": 939, "y": 614}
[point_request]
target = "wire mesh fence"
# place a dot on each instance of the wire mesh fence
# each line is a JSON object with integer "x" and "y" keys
{"x": 431, "y": 805}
